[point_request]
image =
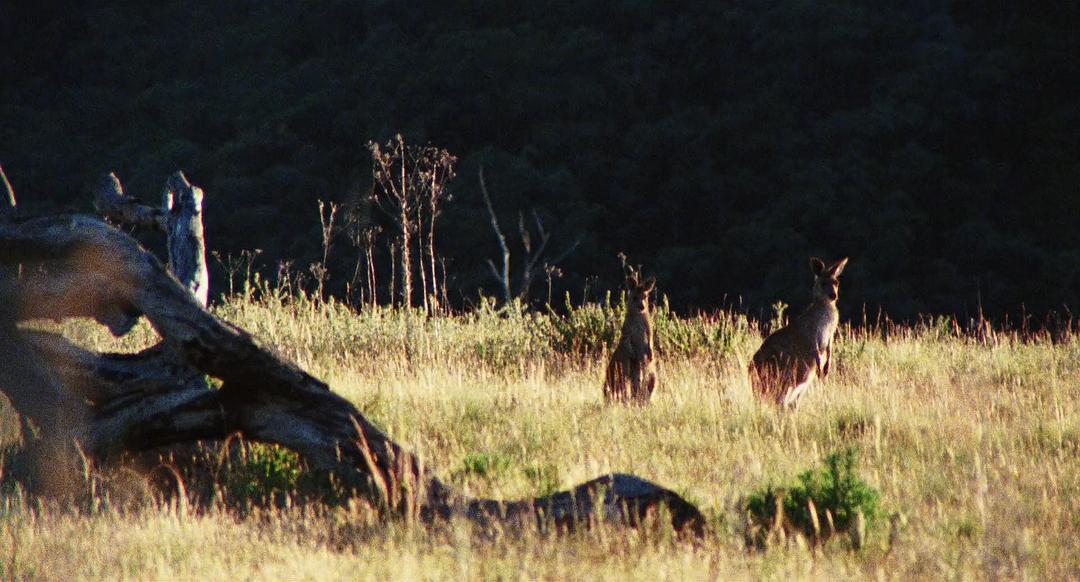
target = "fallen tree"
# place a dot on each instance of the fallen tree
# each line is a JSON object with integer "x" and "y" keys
{"x": 94, "y": 407}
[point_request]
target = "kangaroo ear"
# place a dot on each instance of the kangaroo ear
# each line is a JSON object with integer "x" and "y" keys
{"x": 817, "y": 266}
{"x": 838, "y": 267}
{"x": 649, "y": 285}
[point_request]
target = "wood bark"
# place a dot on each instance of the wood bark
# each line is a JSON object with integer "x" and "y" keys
{"x": 110, "y": 404}
{"x": 180, "y": 218}
{"x": 111, "y": 202}
{"x": 182, "y": 203}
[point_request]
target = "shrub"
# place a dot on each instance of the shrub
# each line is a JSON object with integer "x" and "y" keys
{"x": 263, "y": 475}
{"x": 588, "y": 329}
{"x": 486, "y": 465}
{"x": 835, "y": 489}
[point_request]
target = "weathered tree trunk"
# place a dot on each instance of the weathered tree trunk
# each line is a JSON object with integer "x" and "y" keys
{"x": 113, "y": 204}
{"x": 180, "y": 218}
{"x": 109, "y": 403}
{"x": 182, "y": 204}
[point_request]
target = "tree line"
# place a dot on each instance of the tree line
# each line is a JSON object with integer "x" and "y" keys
{"x": 718, "y": 144}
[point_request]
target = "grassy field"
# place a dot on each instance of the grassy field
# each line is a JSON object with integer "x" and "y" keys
{"x": 974, "y": 448}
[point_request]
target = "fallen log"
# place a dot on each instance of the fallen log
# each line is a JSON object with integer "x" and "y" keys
{"x": 108, "y": 404}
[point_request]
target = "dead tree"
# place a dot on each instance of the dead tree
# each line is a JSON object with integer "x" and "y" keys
{"x": 363, "y": 240}
{"x": 397, "y": 200}
{"x": 503, "y": 275}
{"x": 409, "y": 182}
{"x": 180, "y": 218}
{"x": 437, "y": 171}
{"x": 327, "y": 230}
{"x": 532, "y": 264}
{"x": 93, "y": 407}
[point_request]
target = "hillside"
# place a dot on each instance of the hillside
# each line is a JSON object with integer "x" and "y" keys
{"x": 718, "y": 143}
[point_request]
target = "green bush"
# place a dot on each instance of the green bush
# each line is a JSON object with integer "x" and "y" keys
{"x": 263, "y": 475}
{"x": 587, "y": 329}
{"x": 834, "y": 488}
{"x": 595, "y": 327}
{"x": 485, "y": 464}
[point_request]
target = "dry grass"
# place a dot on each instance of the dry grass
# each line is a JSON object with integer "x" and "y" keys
{"x": 975, "y": 447}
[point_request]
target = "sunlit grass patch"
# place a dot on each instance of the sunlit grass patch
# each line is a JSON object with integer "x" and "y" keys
{"x": 973, "y": 448}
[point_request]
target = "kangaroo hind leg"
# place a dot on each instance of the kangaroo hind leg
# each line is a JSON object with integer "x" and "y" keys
{"x": 803, "y": 379}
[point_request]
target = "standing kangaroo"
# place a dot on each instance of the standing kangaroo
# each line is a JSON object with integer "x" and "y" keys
{"x": 631, "y": 374}
{"x": 791, "y": 357}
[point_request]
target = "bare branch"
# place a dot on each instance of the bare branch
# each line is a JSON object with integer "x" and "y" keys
{"x": 526, "y": 237}
{"x": 491, "y": 267}
{"x": 567, "y": 252}
{"x": 110, "y": 202}
{"x": 502, "y": 276}
{"x": 528, "y": 272}
{"x": 8, "y": 206}
{"x": 539, "y": 225}
{"x": 534, "y": 254}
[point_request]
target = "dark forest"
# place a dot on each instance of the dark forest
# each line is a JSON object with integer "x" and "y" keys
{"x": 718, "y": 144}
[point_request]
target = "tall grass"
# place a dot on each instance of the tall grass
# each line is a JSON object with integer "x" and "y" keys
{"x": 973, "y": 447}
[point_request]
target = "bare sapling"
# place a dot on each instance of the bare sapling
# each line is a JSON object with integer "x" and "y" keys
{"x": 410, "y": 186}
{"x": 631, "y": 373}
{"x": 327, "y": 229}
{"x": 792, "y": 357}
{"x": 533, "y": 253}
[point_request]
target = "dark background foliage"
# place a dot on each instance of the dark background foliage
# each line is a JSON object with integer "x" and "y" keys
{"x": 720, "y": 144}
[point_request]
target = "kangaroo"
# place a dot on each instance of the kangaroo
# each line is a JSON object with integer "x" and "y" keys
{"x": 791, "y": 357}
{"x": 631, "y": 374}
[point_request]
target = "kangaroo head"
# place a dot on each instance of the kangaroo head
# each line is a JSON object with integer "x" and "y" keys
{"x": 826, "y": 283}
{"x": 638, "y": 291}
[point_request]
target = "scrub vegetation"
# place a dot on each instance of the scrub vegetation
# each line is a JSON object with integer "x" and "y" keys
{"x": 960, "y": 453}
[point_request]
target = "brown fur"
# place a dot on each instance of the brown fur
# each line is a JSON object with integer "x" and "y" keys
{"x": 631, "y": 374}
{"x": 792, "y": 357}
